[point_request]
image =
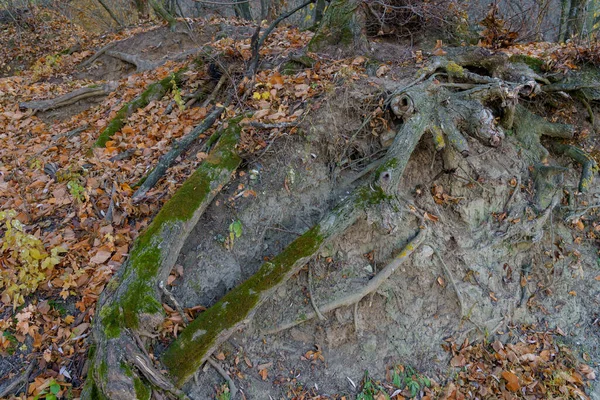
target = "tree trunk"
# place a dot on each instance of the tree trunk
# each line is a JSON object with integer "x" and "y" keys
{"x": 343, "y": 28}
{"x": 111, "y": 13}
{"x": 578, "y": 15}
{"x": 160, "y": 10}
{"x": 242, "y": 10}
{"x": 319, "y": 10}
{"x": 142, "y": 9}
{"x": 562, "y": 28}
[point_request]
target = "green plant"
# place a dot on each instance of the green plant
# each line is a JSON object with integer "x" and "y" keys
{"x": 223, "y": 393}
{"x": 371, "y": 389}
{"x": 27, "y": 261}
{"x": 51, "y": 392}
{"x": 76, "y": 190}
{"x": 235, "y": 231}
{"x": 407, "y": 378}
{"x": 177, "y": 94}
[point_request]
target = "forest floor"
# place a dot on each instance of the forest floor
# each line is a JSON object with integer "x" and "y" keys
{"x": 493, "y": 317}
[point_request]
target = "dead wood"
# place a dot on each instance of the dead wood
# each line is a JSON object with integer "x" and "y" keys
{"x": 70, "y": 98}
{"x": 19, "y": 382}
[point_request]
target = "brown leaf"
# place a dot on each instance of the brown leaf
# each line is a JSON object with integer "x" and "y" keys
{"x": 101, "y": 257}
{"x": 512, "y": 381}
{"x": 263, "y": 374}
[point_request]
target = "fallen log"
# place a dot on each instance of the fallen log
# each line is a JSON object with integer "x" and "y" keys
{"x": 70, "y": 98}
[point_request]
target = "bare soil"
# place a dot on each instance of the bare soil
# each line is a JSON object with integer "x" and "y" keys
{"x": 412, "y": 314}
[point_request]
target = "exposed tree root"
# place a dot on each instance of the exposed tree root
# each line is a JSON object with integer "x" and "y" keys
{"x": 70, "y": 98}
{"x": 130, "y": 305}
{"x": 154, "y": 92}
{"x": 201, "y": 337}
{"x": 370, "y": 287}
{"x": 225, "y": 375}
{"x": 97, "y": 54}
{"x": 461, "y": 303}
{"x": 589, "y": 168}
{"x": 139, "y": 63}
{"x": 464, "y": 105}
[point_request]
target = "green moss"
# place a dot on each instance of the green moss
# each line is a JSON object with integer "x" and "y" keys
{"x": 390, "y": 164}
{"x": 368, "y": 196}
{"x": 234, "y": 307}
{"x": 142, "y": 392}
{"x": 454, "y": 69}
{"x": 126, "y": 369}
{"x": 534, "y": 63}
{"x": 146, "y": 256}
{"x": 103, "y": 370}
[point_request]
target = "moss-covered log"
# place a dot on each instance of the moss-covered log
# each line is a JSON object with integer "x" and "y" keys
{"x": 130, "y": 305}
{"x": 154, "y": 92}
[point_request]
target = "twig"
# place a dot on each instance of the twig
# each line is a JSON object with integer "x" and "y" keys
{"x": 370, "y": 287}
{"x": 22, "y": 379}
{"x": 279, "y": 125}
{"x": 452, "y": 282}
{"x": 225, "y": 375}
{"x": 173, "y": 301}
{"x": 214, "y": 93}
{"x": 312, "y": 298}
{"x": 356, "y": 317}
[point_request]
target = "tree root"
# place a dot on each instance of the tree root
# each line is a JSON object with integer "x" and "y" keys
{"x": 96, "y": 55}
{"x": 370, "y": 287}
{"x": 452, "y": 282}
{"x": 203, "y": 335}
{"x": 129, "y": 305}
{"x": 225, "y": 375}
{"x": 312, "y": 298}
{"x": 139, "y": 63}
{"x": 70, "y": 98}
{"x": 589, "y": 168}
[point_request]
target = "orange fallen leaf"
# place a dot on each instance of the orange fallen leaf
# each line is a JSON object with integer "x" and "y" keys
{"x": 512, "y": 381}
{"x": 263, "y": 374}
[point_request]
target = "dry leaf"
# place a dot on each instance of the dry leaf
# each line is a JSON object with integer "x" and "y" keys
{"x": 512, "y": 381}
